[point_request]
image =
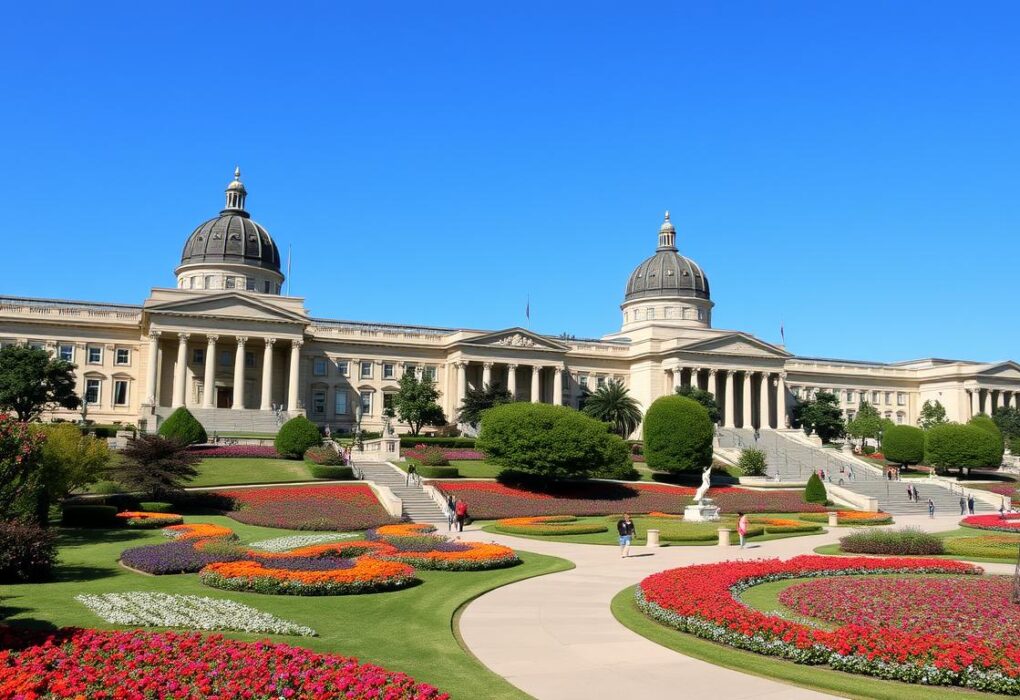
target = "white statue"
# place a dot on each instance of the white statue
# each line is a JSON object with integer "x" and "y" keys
{"x": 706, "y": 481}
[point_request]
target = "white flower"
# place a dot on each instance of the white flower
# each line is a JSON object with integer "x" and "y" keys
{"x": 283, "y": 544}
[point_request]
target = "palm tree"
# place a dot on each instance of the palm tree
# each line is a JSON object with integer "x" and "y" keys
{"x": 611, "y": 403}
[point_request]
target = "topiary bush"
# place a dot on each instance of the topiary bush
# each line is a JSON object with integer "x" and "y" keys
{"x": 89, "y": 516}
{"x": 909, "y": 541}
{"x": 438, "y": 472}
{"x": 433, "y": 456}
{"x": 329, "y": 471}
{"x": 324, "y": 455}
{"x": 752, "y": 462}
{"x": 156, "y": 507}
{"x": 27, "y": 552}
{"x": 296, "y": 436}
{"x": 183, "y": 427}
{"x": 815, "y": 492}
{"x": 678, "y": 435}
{"x": 555, "y": 442}
{"x": 990, "y": 427}
{"x": 955, "y": 446}
{"x": 903, "y": 444}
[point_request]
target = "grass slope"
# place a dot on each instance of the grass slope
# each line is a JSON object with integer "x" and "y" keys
{"x": 833, "y": 549}
{"x": 230, "y": 471}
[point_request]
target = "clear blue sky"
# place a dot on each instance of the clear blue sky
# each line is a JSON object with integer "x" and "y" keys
{"x": 850, "y": 169}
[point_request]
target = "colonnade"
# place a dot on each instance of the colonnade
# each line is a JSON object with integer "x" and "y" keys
{"x": 986, "y": 400}
{"x": 759, "y": 392}
{"x": 537, "y": 371}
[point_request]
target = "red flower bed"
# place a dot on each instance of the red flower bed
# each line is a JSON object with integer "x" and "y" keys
{"x": 492, "y": 500}
{"x": 701, "y": 600}
{"x": 97, "y": 664}
{"x": 327, "y": 507}
{"x": 256, "y": 451}
{"x": 1007, "y": 522}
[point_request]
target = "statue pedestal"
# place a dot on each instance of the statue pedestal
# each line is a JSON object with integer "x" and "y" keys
{"x": 701, "y": 512}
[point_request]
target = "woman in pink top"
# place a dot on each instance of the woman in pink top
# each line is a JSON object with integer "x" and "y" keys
{"x": 742, "y": 528}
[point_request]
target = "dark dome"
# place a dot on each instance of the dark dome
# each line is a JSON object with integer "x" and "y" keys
{"x": 232, "y": 237}
{"x": 667, "y": 273}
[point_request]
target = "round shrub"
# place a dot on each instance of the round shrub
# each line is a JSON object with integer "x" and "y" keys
{"x": 678, "y": 435}
{"x": 324, "y": 455}
{"x": 429, "y": 472}
{"x": 89, "y": 516}
{"x": 27, "y": 552}
{"x": 329, "y": 471}
{"x": 549, "y": 441}
{"x": 815, "y": 492}
{"x": 908, "y": 541}
{"x": 296, "y": 436}
{"x": 989, "y": 426}
{"x": 752, "y": 462}
{"x": 183, "y": 427}
{"x": 156, "y": 507}
{"x": 903, "y": 444}
{"x": 433, "y": 456}
{"x": 955, "y": 446}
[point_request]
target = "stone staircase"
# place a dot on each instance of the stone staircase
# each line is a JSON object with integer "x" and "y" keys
{"x": 227, "y": 420}
{"x": 418, "y": 506}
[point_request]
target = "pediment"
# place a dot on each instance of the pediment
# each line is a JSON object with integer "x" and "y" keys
{"x": 516, "y": 338}
{"x": 1001, "y": 370}
{"x": 738, "y": 344}
{"x": 228, "y": 305}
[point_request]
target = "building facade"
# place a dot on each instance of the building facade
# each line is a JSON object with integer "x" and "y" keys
{"x": 226, "y": 344}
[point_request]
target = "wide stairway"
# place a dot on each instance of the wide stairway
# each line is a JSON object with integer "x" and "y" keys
{"x": 794, "y": 460}
{"x": 227, "y": 420}
{"x": 418, "y": 507}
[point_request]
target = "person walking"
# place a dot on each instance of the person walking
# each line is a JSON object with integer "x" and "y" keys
{"x": 742, "y": 529}
{"x": 412, "y": 474}
{"x": 963, "y": 505}
{"x": 970, "y": 504}
{"x": 451, "y": 511}
{"x": 910, "y": 492}
{"x": 931, "y": 508}
{"x": 462, "y": 513}
{"x": 625, "y": 528}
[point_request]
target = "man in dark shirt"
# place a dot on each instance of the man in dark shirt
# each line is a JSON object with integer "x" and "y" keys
{"x": 626, "y": 529}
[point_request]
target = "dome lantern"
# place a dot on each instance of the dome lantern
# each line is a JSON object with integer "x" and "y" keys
{"x": 667, "y": 234}
{"x": 236, "y": 194}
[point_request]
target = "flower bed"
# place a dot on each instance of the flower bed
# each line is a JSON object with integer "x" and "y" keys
{"x": 1010, "y": 522}
{"x": 185, "y": 556}
{"x": 362, "y": 575}
{"x": 76, "y": 663}
{"x": 548, "y": 525}
{"x": 852, "y": 518}
{"x": 282, "y": 544}
{"x": 775, "y": 526}
{"x": 254, "y": 451}
{"x": 701, "y": 600}
{"x": 418, "y": 451}
{"x": 148, "y": 521}
{"x": 197, "y": 531}
{"x": 991, "y": 546}
{"x": 326, "y": 507}
{"x": 458, "y": 556}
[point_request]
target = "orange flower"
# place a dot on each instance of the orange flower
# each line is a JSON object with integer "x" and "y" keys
{"x": 405, "y": 530}
{"x": 365, "y": 570}
{"x": 196, "y": 531}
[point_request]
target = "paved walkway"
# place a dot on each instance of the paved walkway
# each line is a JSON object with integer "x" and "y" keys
{"x": 555, "y": 637}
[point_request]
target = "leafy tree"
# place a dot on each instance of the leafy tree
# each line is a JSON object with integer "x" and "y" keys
{"x": 821, "y": 416}
{"x": 296, "y": 436}
{"x": 20, "y": 450}
{"x": 156, "y": 466}
{"x": 183, "y": 427}
{"x": 753, "y": 462}
{"x": 68, "y": 461}
{"x": 477, "y": 401}
{"x": 612, "y": 404}
{"x": 556, "y": 442}
{"x": 1008, "y": 422}
{"x": 678, "y": 435}
{"x": 932, "y": 413}
{"x": 32, "y": 381}
{"x": 705, "y": 398}
{"x": 416, "y": 403}
{"x": 815, "y": 491}
{"x": 954, "y": 446}
{"x": 903, "y": 444}
{"x": 988, "y": 425}
{"x": 866, "y": 424}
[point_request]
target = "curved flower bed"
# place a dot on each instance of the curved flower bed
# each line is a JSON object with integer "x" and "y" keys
{"x": 775, "y": 526}
{"x": 990, "y": 546}
{"x": 149, "y": 521}
{"x": 548, "y": 525}
{"x": 1010, "y": 522}
{"x": 184, "y": 556}
{"x": 850, "y": 517}
{"x": 77, "y": 663}
{"x": 197, "y": 531}
{"x": 250, "y": 451}
{"x": 325, "y": 507}
{"x": 459, "y": 556}
{"x": 351, "y": 576}
{"x": 701, "y": 600}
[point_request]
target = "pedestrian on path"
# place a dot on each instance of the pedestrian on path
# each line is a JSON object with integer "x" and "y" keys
{"x": 451, "y": 511}
{"x": 931, "y": 508}
{"x": 742, "y": 529}
{"x": 970, "y": 504}
{"x": 625, "y": 528}
{"x": 963, "y": 505}
{"x": 462, "y": 513}
{"x": 910, "y": 492}
{"x": 412, "y": 475}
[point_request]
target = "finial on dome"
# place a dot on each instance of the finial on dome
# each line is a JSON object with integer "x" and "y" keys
{"x": 667, "y": 234}
{"x": 237, "y": 176}
{"x": 667, "y": 215}
{"x": 236, "y": 192}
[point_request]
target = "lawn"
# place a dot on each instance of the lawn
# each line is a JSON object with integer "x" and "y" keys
{"x": 231, "y": 471}
{"x": 468, "y": 468}
{"x": 410, "y": 630}
{"x": 833, "y": 549}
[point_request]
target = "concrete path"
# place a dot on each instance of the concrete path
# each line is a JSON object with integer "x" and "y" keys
{"x": 555, "y": 638}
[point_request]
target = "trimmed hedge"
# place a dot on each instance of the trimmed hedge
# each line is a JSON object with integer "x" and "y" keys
{"x": 329, "y": 471}
{"x": 908, "y": 541}
{"x": 678, "y": 435}
{"x": 429, "y": 472}
{"x": 296, "y": 436}
{"x": 903, "y": 444}
{"x": 955, "y": 446}
{"x": 551, "y": 525}
{"x": 156, "y": 507}
{"x": 324, "y": 455}
{"x": 27, "y": 552}
{"x": 183, "y": 427}
{"x": 89, "y": 516}
{"x": 411, "y": 441}
{"x": 815, "y": 491}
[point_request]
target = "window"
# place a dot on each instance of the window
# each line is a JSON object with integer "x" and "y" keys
{"x": 849, "y": 397}
{"x": 651, "y": 314}
{"x": 267, "y": 286}
{"x": 601, "y": 382}
{"x": 92, "y": 388}
{"x": 191, "y": 283}
{"x": 226, "y": 358}
{"x": 249, "y": 359}
{"x": 387, "y": 400}
{"x": 198, "y": 356}
{"x": 876, "y": 397}
{"x": 250, "y": 285}
{"x": 366, "y": 370}
{"x": 343, "y": 368}
{"x": 410, "y": 368}
{"x": 36, "y": 345}
{"x": 120, "y": 392}
{"x": 388, "y": 370}
{"x": 66, "y": 352}
{"x": 430, "y": 373}
{"x": 319, "y": 401}
{"x": 901, "y": 398}
{"x": 888, "y": 398}
{"x": 366, "y": 403}
{"x": 899, "y": 417}
{"x": 95, "y": 355}
{"x": 582, "y": 381}
{"x": 123, "y": 356}
{"x": 701, "y": 314}
{"x": 230, "y": 282}
{"x": 340, "y": 402}
{"x": 319, "y": 367}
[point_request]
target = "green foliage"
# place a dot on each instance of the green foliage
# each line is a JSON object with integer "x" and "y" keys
{"x": 909, "y": 541}
{"x": 867, "y": 423}
{"x": 1008, "y": 422}
{"x": 549, "y": 441}
{"x": 1014, "y": 445}
{"x": 32, "y": 381}
{"x": 296, "y": 436}
{"x": 20, "y": 457}
{"x": 988, "y": 425}
{"x": 156, "y": 507}
{"x": 433, "y": 456}
{"x": 932, "y": 413}
{"x": 611, "y": 403}
{"x": 815, "y": 492}
{"x": 678, "y": 435}
{"x": 70, "y": 460}
{"x": 461, "y": 442}
{"x": 329, "y": 471}
{"x": 183, "y": 427}
{"x": 623, "y": 471}
{"x": 438, "y": 472}
{"x": 477, "y": 401}
{"x": 155, "y": 466}
{"x": 417, "y": 403}
{"x": 324, "y": 455}
{"x": 955, "y": 446}
{"x": 821, "y": 416}
{"x": 752, "y": 462}
{"x": 27, "y": 552}
{"x": 89, "y": 516}
{"x": 705, "y": 398}
{"x": 107, "y": 487}
{"x": 903, "y": 444}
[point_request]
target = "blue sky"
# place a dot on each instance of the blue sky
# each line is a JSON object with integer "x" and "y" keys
{"x": 850, "y": 171}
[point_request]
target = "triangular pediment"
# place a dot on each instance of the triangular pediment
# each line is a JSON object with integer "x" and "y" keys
{"x": 738, "y": 344}
{"x": 229, "y": 305}
{"x": 1001, "y": 370}
{"x": 516, "y": 338}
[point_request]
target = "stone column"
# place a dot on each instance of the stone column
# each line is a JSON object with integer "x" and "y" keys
{"x": 763, "y": 402}
{"x": 511, "y": 380}
{"x": 558, "y": 386}
{"x": 713, "y": 389}
{"x": 239, "y": 374}
{"x": 209, "y": 382}
{"x": 461, "y": 382}
{"x": 748, "y": 420}
{"x": 486, "y": 374}
{"x": 181, "y": 370}
{"x": 781, "y": 401}
{"x": 152, "y": 389}
{"x": 975, "y": 396}
{"x": 294, "y": 380}
{"x": 989, "y": 401}
{"x": 536, "y": 396}
{"x": 729, "y": 419}
{"x": 695, "y": 381}
{"x": 267, "y": 375}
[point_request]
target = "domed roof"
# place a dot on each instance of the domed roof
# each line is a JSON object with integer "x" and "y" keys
{"x": 232, "y": 237}
{"x": 667, "y": 273}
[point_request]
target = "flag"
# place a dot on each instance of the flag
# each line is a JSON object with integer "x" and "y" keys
{"x": 782, "y": 332}
{"x": 527, "y": 309}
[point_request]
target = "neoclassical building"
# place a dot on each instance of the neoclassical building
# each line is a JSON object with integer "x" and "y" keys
{"x": 225, "y": 343}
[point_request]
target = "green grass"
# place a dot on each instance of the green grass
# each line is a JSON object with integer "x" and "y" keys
{"x": 845, "y": 685}
{"x": 468, "y": 468}
{"x": 833, "y": 549}
{"x": 229, "y": 471}
{"x": 410, "y": 630}
{"x": 249, "y": 436}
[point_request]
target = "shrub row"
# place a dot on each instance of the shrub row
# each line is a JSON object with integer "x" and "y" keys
{"x": 429, "y": 472}
{"x": 27, "y": 552}
{"x": 329, "y": 471}
{"x": 411, "y": 441}
{"x": 324, "y": 455}
{"x": 89, "y": 516}
{"x": 910, "y": 541}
